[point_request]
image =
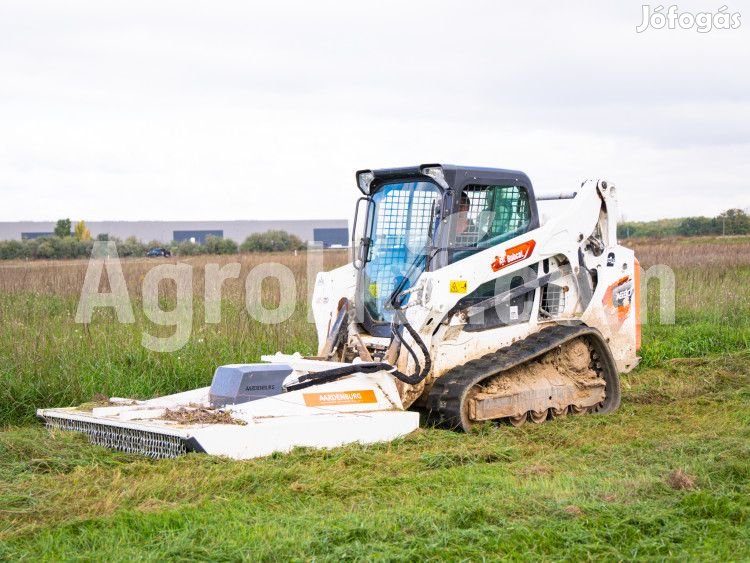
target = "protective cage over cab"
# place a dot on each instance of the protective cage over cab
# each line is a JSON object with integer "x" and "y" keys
{"x": 425, "y": 217}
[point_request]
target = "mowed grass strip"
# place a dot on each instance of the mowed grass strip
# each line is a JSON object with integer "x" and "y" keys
{"x": 666, "y": 477}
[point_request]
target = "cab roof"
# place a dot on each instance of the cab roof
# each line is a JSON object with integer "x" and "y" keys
{"x": 456, "y": 176}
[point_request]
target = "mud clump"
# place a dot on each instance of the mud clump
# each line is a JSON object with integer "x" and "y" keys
{"x": 298, "y": 487}
{"x": 576, "y": 357}
{"x": 201, "y": 416}
{"x": 679, "y": 480}
{"x": 535, "y": 471}
{"x": 573, "y": 510}
{"x": 409, "y": 393}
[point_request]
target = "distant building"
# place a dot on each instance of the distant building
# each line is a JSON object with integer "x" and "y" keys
{"x": 197, "y": 236}
{"x": 329, "y": 232}
{"x": 29, "y": 236}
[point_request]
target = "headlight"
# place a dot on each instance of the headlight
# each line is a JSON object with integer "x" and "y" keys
{"x": 364, "y": 179}
{"x": 435, "y": 171}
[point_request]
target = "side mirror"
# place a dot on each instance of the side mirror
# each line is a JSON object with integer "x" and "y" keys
{"x": 359, "y": 259}
{"x": 362, "y": 253}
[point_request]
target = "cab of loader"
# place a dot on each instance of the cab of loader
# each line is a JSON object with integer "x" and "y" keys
{"x": 423, "y": 218}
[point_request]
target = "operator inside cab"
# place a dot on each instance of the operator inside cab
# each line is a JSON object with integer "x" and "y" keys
{"x": 466, "y": 232}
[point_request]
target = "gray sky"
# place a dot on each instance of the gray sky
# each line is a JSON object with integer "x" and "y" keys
{"x": 238, "y": 110}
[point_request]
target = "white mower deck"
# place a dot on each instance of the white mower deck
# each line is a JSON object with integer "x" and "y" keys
{"x": 363, "y": 408}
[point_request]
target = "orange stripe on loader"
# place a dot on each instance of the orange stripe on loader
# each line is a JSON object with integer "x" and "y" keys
{"x": 637, "y": 305}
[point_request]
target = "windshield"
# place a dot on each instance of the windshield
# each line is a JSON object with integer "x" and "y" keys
{"x": 401, "y": 230}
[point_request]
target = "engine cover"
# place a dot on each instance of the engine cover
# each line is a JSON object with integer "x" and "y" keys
{"x": 240, "y": 383}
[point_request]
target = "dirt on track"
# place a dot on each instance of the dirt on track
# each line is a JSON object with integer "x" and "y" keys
{"x": 571, "y": 361}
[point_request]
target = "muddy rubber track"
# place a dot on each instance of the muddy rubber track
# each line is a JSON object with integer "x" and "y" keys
{"x": 447, "y": 399}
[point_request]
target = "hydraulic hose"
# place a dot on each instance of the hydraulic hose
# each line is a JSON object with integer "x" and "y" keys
{"x": 334, "y": 374}
{"x": 418, "y": 375}
{"x": 420, "y": 372}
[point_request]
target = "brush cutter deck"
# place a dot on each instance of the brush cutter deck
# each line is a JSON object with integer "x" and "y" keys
{"x": 363, "y": 408}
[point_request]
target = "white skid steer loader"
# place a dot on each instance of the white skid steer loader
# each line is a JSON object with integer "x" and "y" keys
{"x": 459, "y": 303}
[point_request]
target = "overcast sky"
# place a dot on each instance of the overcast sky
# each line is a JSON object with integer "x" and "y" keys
{"x": 242, "y": 110}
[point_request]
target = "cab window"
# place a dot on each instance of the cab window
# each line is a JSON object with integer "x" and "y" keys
{"x": 486, "y": 216}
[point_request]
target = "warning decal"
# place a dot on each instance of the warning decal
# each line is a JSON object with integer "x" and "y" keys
{"x": 458, "y": 286}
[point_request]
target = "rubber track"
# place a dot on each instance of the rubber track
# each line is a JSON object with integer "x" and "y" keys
{"x": 447, "y": 398}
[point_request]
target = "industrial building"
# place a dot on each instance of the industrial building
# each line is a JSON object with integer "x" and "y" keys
{"x": 329, "y": 232}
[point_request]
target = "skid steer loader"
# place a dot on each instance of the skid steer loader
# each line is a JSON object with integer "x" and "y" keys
{"x": 461, "y": 302}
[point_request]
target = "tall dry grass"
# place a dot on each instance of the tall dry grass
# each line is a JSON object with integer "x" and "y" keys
{"x": 65, "y": 278}
{"x": 712, "y": 297}
{"x": 712, "y": 277}
{"x": 693, "y": 252}
{"x": 46, "y": 358}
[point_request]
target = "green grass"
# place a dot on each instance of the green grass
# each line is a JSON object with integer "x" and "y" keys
{"x": 692, "y": 337}
{"x": 581, "y": 488}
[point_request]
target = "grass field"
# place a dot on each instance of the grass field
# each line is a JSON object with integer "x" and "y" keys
{"x": 666, "y": 477}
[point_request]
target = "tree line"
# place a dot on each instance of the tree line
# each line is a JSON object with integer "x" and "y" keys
{"x": 730, "y": 222}
{"x": 75, "y": 241}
